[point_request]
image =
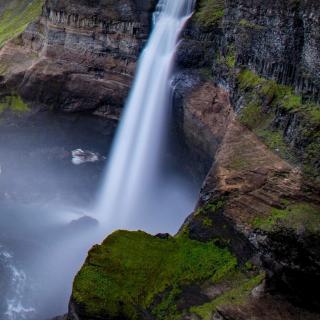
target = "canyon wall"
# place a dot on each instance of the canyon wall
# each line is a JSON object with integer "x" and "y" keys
{"x": 78, "y": 55}
{"x": 247, "y": 96}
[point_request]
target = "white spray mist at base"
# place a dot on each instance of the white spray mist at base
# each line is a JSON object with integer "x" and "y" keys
{"x": 132, "y": 175}
{"x": 136, "y": 193}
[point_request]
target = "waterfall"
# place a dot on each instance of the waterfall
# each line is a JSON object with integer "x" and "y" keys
{"x": 133, "y": 168}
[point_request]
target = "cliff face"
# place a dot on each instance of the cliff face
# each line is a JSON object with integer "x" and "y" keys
{"x": 266, "y": 55}
{"x": 246, "y": 95}
{"x": 246, "y": 103}
{"x": 78, "y": 55}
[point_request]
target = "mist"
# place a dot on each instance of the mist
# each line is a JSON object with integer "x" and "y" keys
{"x": 47, "y": 221}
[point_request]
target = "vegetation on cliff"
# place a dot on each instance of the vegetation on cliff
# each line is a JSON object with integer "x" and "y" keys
{"x": 210, "y": 12}
{"x": 16, "y": 15}
{"x": 264, "y": 102}
{"x": 133, "y": 273}
{"x": 297, "y": 216}
{"x": 14, "y": 103}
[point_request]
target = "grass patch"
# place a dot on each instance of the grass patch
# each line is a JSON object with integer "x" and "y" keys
{"x": 211, "y": 207}
{"x": 295, "y": 216}
{"x": 231, "y": 58}
{"x": 259, "y": 92}
{"x": 275, "y": 141}
{"x": 16, "y": 16}
{"x": 13, "y": 103}
{"x": 280, "y": 95}
{"x": 252, "y": 116}
{"x": 248, "y": 79}
{"x": 247, "y": 24}
{"x": 131, "y": 268}
{"x": 210, "y": 12}
{"x": 237, "y": 295}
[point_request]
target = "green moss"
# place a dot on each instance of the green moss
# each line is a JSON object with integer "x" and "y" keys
{"x": 13, "y": 103}
{"x": 231, "y": 59}
{"x": 295, "y": 216}
{"x": 275, "y": 141}
{"x": 211, "y": 207}
{"x": 228, "y": 58}
{"x": 210, "y": 12}
{"x": 247, "y": 24}
{"x": 249, "y": 266}
{"x": 167, "y": 306}
{"x": 286, "y": 97}
{"x": 314, "y": 111}
{"x": 207, "y": 222}
{"x": 131, "y": 268}
{"x": 248, "y": 79}
{"x": 16, "y": 16}
{"x": 263, "y": 98}
{"x": 236, "y": 295}
{"x": 280, "y": 95}
{"x": 251, "y": 115}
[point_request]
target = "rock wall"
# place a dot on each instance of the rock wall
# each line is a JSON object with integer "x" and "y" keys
{"x": 78, "y": 55}
{"x": 266, "y": 55}
{"x": 246, "y": 96}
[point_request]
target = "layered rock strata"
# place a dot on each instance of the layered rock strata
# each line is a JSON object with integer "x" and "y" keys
{"x": 78, "y": 55}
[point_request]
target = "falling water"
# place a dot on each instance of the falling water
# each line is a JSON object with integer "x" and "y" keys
{"x": 133, "y": 169}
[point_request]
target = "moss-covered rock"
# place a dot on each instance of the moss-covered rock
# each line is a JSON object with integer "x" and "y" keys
{"x": 297, "y": 216}
{"x": 210, "y": 12}
{"x": 134, "y": 275}
{"x": 282, "y": 119}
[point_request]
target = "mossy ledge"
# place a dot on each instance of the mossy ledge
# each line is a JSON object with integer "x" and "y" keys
{"x": 133, "y": 275}
{"x": 265, "y": 102}
{"x": 210, "y": 12}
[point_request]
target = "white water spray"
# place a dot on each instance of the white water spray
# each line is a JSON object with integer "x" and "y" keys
{"x": 15, "y": 307}
{"x": 133, "y": 169}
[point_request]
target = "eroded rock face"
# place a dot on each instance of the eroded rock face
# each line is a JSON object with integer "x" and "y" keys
{"x": 277, "y": 39}
{"x": 81, "y": 56}
{"x": 249, "y": 204}
{"x": 266, "y": 55}
{"x": 260, "y": 204}
{"x": 78, "y": 55}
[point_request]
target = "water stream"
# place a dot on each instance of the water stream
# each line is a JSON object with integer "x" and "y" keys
{"x": 133, "y": 176}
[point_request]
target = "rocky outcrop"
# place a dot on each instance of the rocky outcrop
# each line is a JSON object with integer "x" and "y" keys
{"x": 78, "y": 55}
{"x": 241, "y": 102}
{"x": 253, "y": 204}
{"x": 252, "y": 194}
{"x": 278, "y": 40}
{"x": 246, "y": 98}
{"x": 266, "y": 55}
